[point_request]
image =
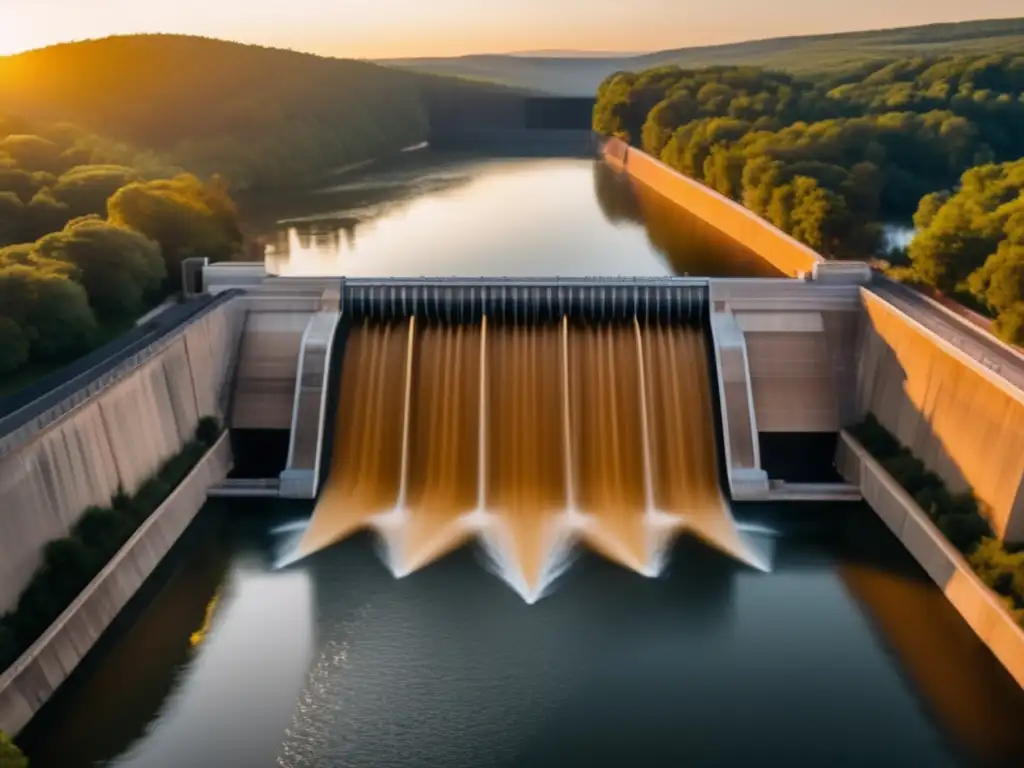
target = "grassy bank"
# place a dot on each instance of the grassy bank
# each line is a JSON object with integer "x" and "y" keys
{"x": 959, "y": 516}
{"x": 70, "y": 563}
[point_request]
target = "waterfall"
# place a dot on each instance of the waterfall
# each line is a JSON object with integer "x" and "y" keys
{"x": 521, "y": 431}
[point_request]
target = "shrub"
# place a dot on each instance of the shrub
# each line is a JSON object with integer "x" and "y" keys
{"x": 964, "y": 532}
{"x": 10, "y": 755}
{"x": 103, "y": 530}
{"x": 875, "y": 438}
{"x": 909, "y": 472}
{"x": 208, "y": 431}
{"x": 121, "y": 500}
{"x": 934, "y": 500}
{"x": 69, "y": 564}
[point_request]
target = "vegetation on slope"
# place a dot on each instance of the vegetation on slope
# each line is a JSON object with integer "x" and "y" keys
{"x": 10, "y": 755}
{"x": 93, "y": 230}
{"x": 69, "y": 564}
{"x": 814, "y": 55}
{"x": 957, "y": 516}
{"x": 972, "y": 242}
{"x": 829, "y": 162}
{"x": 90, "y": 236}
{"x": 256, "y": 116}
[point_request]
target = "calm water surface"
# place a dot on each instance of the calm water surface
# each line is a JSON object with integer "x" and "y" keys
{"x": 432, "y": 214}
{"x": 844, "y": 655}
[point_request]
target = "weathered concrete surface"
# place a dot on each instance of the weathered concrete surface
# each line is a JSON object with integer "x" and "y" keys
{"x": 785, "y": 362}
{"x": 264, "y": 391}
{"x": 118, "y": 438}
{"x": 29, "y": 683}
{"x": 782, "y": 251}
{"x": 965, "y": 422}
{"x": 300, "y": 478}
{"x": 980, "y": 607}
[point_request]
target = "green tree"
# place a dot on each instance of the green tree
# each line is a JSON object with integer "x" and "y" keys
{"x": 184, "y": 215}
{"x": 32, "y": 153}
{"x": 10, "y": 755}
{"x": 49, "y": 306}
{"x": 117, "y": 266}
{"x": 14, "y": 346}
{"x": 85, "y": 189}
{"x": 12, "y": 218}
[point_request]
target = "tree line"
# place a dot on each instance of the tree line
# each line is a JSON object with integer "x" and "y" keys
{"x": 259, "y": 117}
{"x": 91, "y": 233}
{"x": 830, "y": 160}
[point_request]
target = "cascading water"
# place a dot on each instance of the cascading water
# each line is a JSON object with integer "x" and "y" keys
{"x": 528, "y": 435}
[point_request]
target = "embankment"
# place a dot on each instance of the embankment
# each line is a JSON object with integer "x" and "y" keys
{"x": 82, "y": 451}
{"x": 964, "y": 422}
{"x": 29, "y": 683}
{"x": 780, "y": 250}
{"x": 978, "y": 605}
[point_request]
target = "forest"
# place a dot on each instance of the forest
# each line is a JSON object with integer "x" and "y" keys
{"x": 829, "y": 160}
{"x": 258, "y": 117}
{"x": 120, "y": 157}
{"x": 91, "y": 234}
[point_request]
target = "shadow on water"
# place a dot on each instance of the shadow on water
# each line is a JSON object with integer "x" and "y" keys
{"x": 933, "y": 645}
{"x": 138, "y": 661}
{"x": 690, "y": 244}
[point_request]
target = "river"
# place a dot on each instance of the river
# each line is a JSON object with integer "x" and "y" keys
{"x": 844, "y": 654}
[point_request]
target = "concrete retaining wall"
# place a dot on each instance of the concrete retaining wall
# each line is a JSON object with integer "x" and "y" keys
{"x": 117, "y": 438}
{"x": 980, "y": 607}
{"x": 964, "y": 422}
{"x": 779, "y": 249}
{"x": 27, "y": 685}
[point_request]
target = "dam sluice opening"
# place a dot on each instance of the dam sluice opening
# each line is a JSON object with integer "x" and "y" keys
{"x": 531, "y": 433}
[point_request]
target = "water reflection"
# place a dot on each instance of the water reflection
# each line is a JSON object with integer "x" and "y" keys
{"x": 689, "y": 243}
{"x": 845, "y": 655}
{"x": 538, "y": 217}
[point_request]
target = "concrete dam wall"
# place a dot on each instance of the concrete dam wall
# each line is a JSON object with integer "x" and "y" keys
{"x": 965, "y": 423}
{"x": 786, "y": 254}
{"x": 116, "y": 439}
{"x": 43, "y": 668}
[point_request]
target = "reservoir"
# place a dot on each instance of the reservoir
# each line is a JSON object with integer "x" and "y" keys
{"x": 842, "y": 654}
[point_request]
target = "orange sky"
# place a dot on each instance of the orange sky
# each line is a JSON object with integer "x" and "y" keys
{"x": 393, "y": 28}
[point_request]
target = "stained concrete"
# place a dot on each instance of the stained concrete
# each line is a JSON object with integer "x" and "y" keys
{"x": 116, "y": 439}
{"x": 786, "y": 254}
{"x": 29, "y": 683}
{"x": 979, "y": 606}
{"x": 964, "y": 422}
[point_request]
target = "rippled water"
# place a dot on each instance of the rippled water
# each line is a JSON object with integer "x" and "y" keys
{"x": 845, "y": 655}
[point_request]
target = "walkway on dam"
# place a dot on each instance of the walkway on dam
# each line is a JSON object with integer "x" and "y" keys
{"x": 980, "y": 346}
{"x": 19, "y": 408}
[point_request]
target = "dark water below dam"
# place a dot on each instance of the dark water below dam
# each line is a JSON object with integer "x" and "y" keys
{"x": 842, "y": 654}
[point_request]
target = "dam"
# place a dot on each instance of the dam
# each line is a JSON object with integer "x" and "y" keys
{"x": 549, "y": 429}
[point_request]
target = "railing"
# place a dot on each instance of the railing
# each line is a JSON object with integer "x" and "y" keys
{"x": 18, "y": 427}
{"x": 464, "y": 299}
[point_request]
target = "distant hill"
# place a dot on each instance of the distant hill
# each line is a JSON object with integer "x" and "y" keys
{"x": 258, "y": 115}
{"x": 816, "y": 54}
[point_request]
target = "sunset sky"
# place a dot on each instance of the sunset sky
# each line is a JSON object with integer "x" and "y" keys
{"x": 394, "y": 28}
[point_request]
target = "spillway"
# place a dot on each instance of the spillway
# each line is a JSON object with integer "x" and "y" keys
{"x": 530, "y": 432}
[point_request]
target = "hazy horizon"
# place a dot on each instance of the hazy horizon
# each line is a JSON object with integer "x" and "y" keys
{"x": 411, "y": 28}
